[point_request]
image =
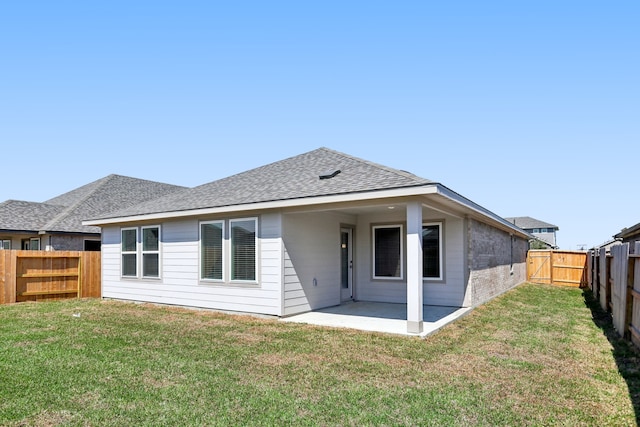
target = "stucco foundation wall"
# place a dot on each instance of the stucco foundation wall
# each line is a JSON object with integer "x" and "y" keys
{"x": 497, "y": 262}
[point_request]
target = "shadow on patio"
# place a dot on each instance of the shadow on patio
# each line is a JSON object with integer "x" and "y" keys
{"x": 379, "y": 317}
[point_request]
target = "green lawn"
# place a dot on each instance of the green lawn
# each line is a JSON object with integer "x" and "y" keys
{"x": 537, "y": 355}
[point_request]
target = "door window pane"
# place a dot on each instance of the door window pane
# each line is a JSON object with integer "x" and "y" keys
{"x": 344, "y": 259}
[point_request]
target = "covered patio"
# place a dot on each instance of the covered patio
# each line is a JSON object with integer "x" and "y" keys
{"x": 379, "y": 317}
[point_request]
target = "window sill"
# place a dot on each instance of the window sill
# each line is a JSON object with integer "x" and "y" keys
{"x": 216, "y": 284}
{"x": 142, "y": 279}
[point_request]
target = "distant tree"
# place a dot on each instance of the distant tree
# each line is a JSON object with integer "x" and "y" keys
{"x": 538, "y": 244}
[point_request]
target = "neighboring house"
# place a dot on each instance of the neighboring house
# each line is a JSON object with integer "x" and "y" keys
{"x": 56, "y": 224}
{"x": 629, "y": 235}
{"x": 606, "y": 245}
{"x": 308, "y": 232}
{"x": 539, "y": 229}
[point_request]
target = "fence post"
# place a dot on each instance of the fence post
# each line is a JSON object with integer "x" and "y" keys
{"x": 595, "y": 279}
{"x": 589, "y": 273}
{"x": 11, "y": 277}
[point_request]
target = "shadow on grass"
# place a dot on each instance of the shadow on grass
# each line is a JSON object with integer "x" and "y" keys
{"x": 626, "y": 355}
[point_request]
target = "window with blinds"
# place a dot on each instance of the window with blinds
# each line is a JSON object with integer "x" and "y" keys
{"x": 243, "y": 249}
{"x": 211, "y": 250}
{"x": 387, "y": 252}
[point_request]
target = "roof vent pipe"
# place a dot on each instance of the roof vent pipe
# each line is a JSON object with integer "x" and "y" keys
{"x": 329, "y": 174}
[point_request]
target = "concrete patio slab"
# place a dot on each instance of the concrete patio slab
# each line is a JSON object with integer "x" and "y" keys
{"x": 379, "y": 317}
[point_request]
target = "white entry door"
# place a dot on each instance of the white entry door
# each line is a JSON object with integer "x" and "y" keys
{"x": 346, "y": 264}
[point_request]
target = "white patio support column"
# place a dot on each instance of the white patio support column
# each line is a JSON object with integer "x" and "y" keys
{"x": 414, "y": 268}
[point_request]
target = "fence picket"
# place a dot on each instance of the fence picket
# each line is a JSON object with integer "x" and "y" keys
{"x": 634, "y": 327}
{"x": 604, "y": 280}
{"x": 619, "y": 272}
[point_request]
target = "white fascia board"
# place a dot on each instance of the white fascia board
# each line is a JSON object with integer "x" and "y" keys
{"x": 457, "y": 198}
{"x": 277, "y": 204}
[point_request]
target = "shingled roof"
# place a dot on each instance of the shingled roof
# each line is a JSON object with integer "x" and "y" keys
{"x": 65, "y": 213}
{"x": 18, "y": 215}
{"x": 320, "y": 172}
{"x": 528, "y": 223}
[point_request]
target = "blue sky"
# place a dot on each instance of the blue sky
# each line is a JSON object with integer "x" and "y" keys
{"x": 529, "y": 108}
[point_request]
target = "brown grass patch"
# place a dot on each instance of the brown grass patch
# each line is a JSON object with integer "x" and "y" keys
{"x": 48, "y": 419}
{"x": 246, "y": 337}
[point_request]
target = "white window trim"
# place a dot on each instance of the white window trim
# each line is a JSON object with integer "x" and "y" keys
{"x": 440, "y": 225}
{"x": 143, "y": 252}
{"x": 224, "y": 252}
{"x": 35, "y": 239}
{"x": 3, "y": 241}
{"x": 122, "y": 252}
{"x": 257, "y": 251}
{"x": 373, "y": 250}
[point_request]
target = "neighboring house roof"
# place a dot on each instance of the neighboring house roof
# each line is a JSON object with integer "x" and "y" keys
{"x": 606, "y": 244}
{"x": 528, "y": 223}
{"x": 628, "y": 232}
{"x": 65, "y": 213}
{"x": 18, "y": 215}
{"x": 319, "y": 176}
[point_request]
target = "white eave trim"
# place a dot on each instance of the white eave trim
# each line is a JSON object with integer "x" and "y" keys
{"x": 278, "y": 204}
{"x": 455, "y": 197}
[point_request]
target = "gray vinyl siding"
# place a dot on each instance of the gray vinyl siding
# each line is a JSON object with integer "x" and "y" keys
{"x": 312, "y": 251}
{"x": 446, "y": 292}
{"x": 547, "y": 237}
{"x": 179, "y": 283}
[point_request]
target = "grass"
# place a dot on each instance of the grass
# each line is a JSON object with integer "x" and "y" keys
{"x": 538, "y": 355}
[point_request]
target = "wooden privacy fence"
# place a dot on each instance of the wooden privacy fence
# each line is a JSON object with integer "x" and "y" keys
{"x": 37, "y": 275}
{"x": 554, "y": 267}
{"x": 615, "y": 282}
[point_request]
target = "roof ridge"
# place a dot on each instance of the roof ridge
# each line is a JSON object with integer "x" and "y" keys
{"x": 69, "y": 208}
